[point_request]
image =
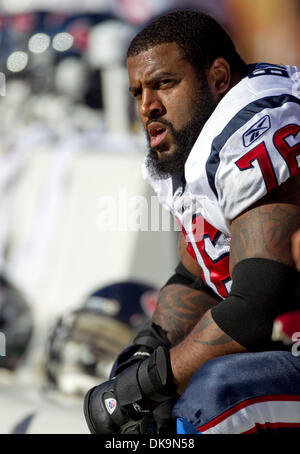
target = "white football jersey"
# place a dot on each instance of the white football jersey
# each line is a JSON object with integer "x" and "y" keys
{"x": 248, "y": 147}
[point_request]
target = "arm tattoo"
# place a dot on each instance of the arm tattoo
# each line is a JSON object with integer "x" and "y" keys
{"x": 179, "y": 309}
{"x": 219, "y": 337}
{"x": 265, "y": 232}
{"x": 205, "y": 342}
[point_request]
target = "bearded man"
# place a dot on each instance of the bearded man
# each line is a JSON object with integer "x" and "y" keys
{"x": 224, "y": 158}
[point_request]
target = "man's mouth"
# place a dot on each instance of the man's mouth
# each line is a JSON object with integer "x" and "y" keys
{"x": 157, "y": 132}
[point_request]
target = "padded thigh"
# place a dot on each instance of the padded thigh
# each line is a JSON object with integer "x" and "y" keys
{"x": 225, "y": 384}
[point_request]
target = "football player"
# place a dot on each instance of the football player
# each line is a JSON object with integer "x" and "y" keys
{"x": 224, "y": 158}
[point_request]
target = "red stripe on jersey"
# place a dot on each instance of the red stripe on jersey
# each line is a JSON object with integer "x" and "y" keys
{"x": 244, "y": 404}
{"x": 219, "y": 267}
{"x": 271, "y": 425}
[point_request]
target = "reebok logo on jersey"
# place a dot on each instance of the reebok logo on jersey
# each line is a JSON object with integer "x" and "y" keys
{"x": 256, "y": 130}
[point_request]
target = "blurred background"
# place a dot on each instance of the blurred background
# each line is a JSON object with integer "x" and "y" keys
{"x": 79, "y": 268}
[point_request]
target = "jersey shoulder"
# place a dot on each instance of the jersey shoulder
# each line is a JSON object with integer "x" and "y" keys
{"x": 259, "y": 147}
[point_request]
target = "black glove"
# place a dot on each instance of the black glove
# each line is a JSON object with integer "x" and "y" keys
{"x": 122, "y": 405}
{"x": 162, "y": 419}
{"x": 146, "y": 341}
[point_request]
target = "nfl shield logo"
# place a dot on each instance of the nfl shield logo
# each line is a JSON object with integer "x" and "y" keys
{"x": 111, "y": 404}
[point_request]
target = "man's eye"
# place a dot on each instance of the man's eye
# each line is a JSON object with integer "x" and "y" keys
{"x": 137, "y": 94}
{"x": 165, "y": 82}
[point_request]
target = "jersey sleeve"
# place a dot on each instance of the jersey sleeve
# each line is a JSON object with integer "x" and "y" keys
{"x": 257, "y": 151}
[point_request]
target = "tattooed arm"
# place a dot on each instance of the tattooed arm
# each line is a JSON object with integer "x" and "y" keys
{"x": 179, "y": 307}
{"x": 265, "y": 230}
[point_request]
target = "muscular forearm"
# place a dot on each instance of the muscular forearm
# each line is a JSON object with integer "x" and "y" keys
{"x": 179, "y": 309}
{"x": 205, "y": 341}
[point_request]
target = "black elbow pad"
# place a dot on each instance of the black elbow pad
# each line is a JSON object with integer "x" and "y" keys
{"x": 261, "y": 290}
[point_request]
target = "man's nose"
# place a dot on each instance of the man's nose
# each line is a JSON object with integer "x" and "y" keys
{"x": 151, "y": 105}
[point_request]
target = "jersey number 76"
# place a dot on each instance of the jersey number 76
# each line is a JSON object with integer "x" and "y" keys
{"x": 260, "y": 153}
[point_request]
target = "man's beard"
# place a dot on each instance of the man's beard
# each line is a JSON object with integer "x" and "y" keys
{"x": 166, "y": 166}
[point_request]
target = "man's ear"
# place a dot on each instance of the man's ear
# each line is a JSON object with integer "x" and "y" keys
{"x": 219, "y": 78}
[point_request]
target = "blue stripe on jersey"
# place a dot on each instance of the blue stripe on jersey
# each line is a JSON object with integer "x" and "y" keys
{"x": 242, "y": 117}
{"x": 224, "y": 382}
{"x": 265, "y": 65}
{"x": 252, "y": 67}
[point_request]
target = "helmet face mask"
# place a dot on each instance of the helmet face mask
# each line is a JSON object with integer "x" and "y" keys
{"x": 82, "y": 354}
{"x": 84, "y": 344}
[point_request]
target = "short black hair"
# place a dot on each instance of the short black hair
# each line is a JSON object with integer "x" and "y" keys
{"x": 200, "y": 38}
